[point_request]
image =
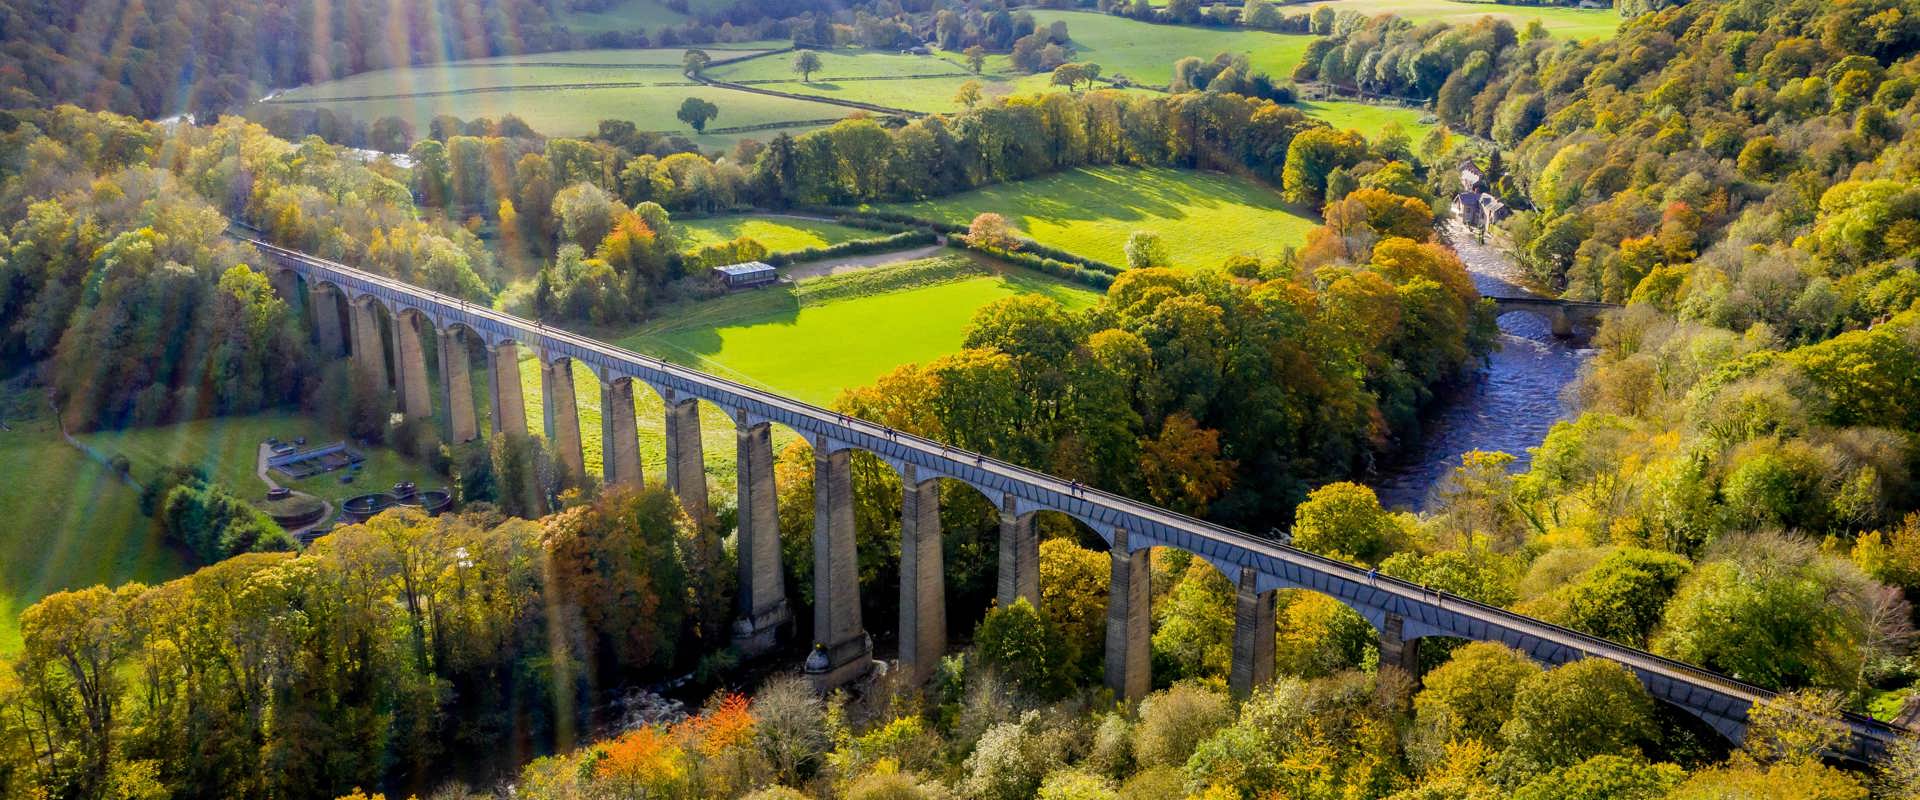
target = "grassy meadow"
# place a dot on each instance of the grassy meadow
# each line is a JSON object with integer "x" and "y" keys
{"x": 1572, "y": 23}
{"x": 642, "y": 86}
{"x": 1145, "y": 52}
{"x": 1367, "y": 118}
{"x": 70, "y": 521}
{"x": 1203, "y": 217}
{"x": 634, "y": 15}
{"x": 780, "y": 234}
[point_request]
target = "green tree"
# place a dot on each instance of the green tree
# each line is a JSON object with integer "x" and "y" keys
{"x": 1312, "y": 156}
{"x": 1027, "y": 650}
{"x": 1472, "y": 694}
{"x": 1576, "y": 711}
{"x": 807, "y": 63}
{"x": 697, "y": 112}
{"x": 1146, "y": 250}
{"x": 1775, "y": 611}
{"x": 695, "y": 62}
{"x": 1344, "y": 520}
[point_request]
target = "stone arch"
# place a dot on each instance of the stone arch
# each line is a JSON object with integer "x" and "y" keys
{"x": 1554, "y": 318}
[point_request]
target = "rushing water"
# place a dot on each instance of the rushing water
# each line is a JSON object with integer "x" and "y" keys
{"x": 1508, "y": 406}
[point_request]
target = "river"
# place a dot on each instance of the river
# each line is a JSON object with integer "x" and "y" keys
{"x": 1508, "y": 406}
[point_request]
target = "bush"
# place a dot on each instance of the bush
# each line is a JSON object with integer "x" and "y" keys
{"x": 1011, "y": 758}
{"x": 1154, "y": 784}
{"x": 898, "y": 241}
{"x": 213, "y": 524}
{"x": 1076, "y": 785}
{"x": 1174, "y": 722}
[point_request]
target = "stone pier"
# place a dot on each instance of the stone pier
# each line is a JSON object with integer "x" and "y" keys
{"x": 619, "y": 434}
{"x": 456, "y": 387}
{"x": 369, "y": 353}
{"x": 1396, "y": 650}
{"x": 842, "y": 651}
{"x": 762, "y": 602}
{"x": 562, "y": 414}
{"x": 1129, "y": 614}
{"x": 323, "y": 302}
{"x": 686, "y": 461}
{"x": 410, "y": 368}
{"x": 923, "y": 589}
{"x": 503, "y": 379}
{"x": 1019, "y": 556}
{"x": 1253, "y": 636}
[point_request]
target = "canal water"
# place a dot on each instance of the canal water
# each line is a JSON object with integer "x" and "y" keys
{"x": 1508, "y": 406}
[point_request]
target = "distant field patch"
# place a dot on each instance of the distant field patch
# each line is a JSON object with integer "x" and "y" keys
{"x": 1145, "y": 52}
{"x": 1369, "y": 119}
{"x": 643, "y": 57}
{"x": 635, "y": 15}
{"x": 559, "y": 98}
{"x": 1572, "y": 23}
{"x": 1203, "y": 217}
{"x": 836, "y": 64}
{"x": 780, "y": 234}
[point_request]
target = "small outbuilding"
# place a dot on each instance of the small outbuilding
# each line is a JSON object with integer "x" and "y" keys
{"x": 747, "y": 275}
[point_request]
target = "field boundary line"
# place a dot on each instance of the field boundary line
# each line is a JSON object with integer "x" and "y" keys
{"x": 529, "y": 87}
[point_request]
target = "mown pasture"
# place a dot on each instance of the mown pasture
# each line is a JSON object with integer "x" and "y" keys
{"x": 1203, "y": 217}
{"x": 779, "y": 233}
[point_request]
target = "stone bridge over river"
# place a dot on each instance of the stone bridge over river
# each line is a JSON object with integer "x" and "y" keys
{"x": 389, "y": 325}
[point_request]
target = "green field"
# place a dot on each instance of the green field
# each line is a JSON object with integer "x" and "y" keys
{"x": 780, "y": 234}
{"x": 634, "y": 15}
{"x": 1367, "y": 118}
{"x": 812, "y": 339}
{"x": 1203, "y": 217}
{"x": 70, "y": 522}
{"x": 644, "y": 58}
{"x": 1573, "y": 23}
{"x": 1145, "y": 52}
{"x": 598, "y": 84}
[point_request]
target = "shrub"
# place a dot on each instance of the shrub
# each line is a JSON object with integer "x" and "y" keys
{"x": 1174, "y": 722}
{"x": 898, "y": 241}
{"x": 1011, "y": 758}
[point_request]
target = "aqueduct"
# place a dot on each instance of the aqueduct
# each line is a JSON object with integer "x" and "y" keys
{"x": 1402, "y": 612}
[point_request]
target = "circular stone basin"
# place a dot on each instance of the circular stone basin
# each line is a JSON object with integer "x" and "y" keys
{"x": 362, "y": 508}
{"x": 293, "y": 510}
